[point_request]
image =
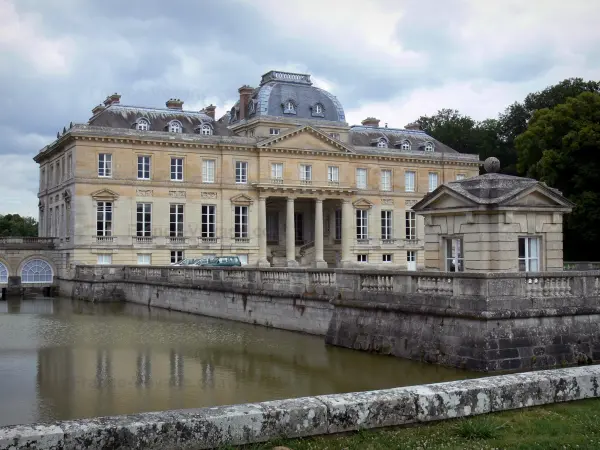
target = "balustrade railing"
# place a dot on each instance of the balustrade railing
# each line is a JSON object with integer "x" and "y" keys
{"x": 176, "y": 240}
{"x": 376, "y": 283}
{"x": 549, "y": 286}
{"x": 208, "y": 240}
{"x": 145, "y": 240}
{"x": 434, "y": 285}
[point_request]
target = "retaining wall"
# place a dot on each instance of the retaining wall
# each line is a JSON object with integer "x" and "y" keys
{"x": 259, "y": 422}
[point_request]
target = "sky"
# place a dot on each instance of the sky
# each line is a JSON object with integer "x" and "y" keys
{"x": 392, "y": 59}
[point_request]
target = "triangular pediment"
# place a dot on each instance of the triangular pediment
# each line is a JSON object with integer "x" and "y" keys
{"x": 362, "y": 203}
{"x": 306, "y": 138}
{"x": 538, "y": 196}
{"x": 241, "y": 199}
{"x": 105, "y": 194}
{"x": 443, "y": 198}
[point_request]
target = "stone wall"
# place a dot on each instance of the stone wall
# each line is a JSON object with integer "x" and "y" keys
{"x": 216, "y": 427}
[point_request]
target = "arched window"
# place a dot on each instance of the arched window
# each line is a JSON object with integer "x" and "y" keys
{"x": 175, "y": 127}
{"x": 3, "y": 273}
{"x": 289, "y": 107}
{"x": 36, "y": 271}
{"x": 429, "y": 147}
{"x": 205, "y": 129}
{"x": 405, "y": 145}
{"x": 318, "y": 108}
{"x": 142, "y": 125}
{"x": 382, "y": 143}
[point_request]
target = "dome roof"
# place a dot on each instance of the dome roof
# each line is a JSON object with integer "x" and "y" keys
{"x": 285, "y": 94}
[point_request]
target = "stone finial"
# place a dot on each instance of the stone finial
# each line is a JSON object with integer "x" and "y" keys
{"x": 370, "y": 122}
{"x": 491, "y": 165}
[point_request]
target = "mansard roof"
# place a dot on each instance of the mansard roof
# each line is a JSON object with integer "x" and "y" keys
{"x": 367, "y": 136}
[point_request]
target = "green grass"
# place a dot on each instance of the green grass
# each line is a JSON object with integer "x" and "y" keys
{"x": 574, "y": 425}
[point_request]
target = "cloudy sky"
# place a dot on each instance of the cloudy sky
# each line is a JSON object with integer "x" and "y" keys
{"x": 393, "y": 59}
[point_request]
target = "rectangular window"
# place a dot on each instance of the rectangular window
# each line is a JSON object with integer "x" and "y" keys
{"x": 529, "y": 254}
{"x": 433, "y": 181}
{"x": 454, "y": 255}
{"x": 386, "y": 258}
{"x": 273, "y": 131}
{"x": 386, "y": 224}
{"x": 144, "y": 219}
{"x": 144, "y": 258}
{"x": 176, "y": 256}
{"x": 104, "y": 165}
{"x": 335, "y": 136}
{"x": 333, "y": 174}
{"x": 386, "y": 180}
{"x": 176, "y": 221}
{"x": 362, "y": 258}
{"x": 104, "y": 259}
{"x": 299, "y": 228}
{"x": 241, "y": 172}
{"x": 209, "y": 221}
{"x": 361, "y": 178}
{"x": 277, "y": 171}
{"x": 409, "y": 181}
{"x": 305, "y": 172}
{"x": 411, "y": 225}
{"x": 241, "y": 221}
{"x": 273, "y": 226}
{"x": 338, "y": 225}
{"x": 460, "y": 177}
{"x": 176, "y": 169}
{"x": 143, "y": 168}
{"x": 58, "y": 178}
{"x": 208, "y": 171}
{"x": 104, "y": 212}
{"x": 51, "y": 176}
{"x": 43, "y": 179}
{"x": 69, "y": 165}
{"x": 362, "y": 224}
{"x": 411, "y": 260}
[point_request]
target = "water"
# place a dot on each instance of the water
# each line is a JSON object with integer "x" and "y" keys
{"x": 63, "y": 359}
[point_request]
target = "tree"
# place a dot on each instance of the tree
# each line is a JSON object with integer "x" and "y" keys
{"x": 561, "y": 147}
{"x": 15, "y": 225}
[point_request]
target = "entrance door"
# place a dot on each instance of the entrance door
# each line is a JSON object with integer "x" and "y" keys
{"x": 299, "y": 228}
{"x": 411, "y": 260}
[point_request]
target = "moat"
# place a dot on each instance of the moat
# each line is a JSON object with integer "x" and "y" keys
{"x": 64, "y": 359}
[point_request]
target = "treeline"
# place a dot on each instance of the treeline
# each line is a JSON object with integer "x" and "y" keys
{"x": 15, "y": 225}
{"x": 553, "y": 136}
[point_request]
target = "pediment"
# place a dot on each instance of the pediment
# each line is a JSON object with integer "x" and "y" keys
{"x": 362, "y": 203}
{"x": 241, "y": 199}
{"x": 538, "y": 196}
{"x": 306, "y": 138}
{"x": 105, "y": 194}
{"x": 443, "y": 198}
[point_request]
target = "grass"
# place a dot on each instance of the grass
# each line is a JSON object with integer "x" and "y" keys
{"x": 573, "y": 425}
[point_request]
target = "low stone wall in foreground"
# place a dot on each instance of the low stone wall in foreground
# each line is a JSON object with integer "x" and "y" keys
{"x": 259, "y": 422}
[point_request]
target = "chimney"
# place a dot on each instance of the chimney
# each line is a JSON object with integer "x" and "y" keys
{"x": 210, "y": 111}
{"x": 98, "y": 109}
{"x": 414, "y": 126}
{"x": 174, "y": 103}
{"x": 370, "y": 122}
{"x": 112, "y": 100}
{"x": 245, "y": 94}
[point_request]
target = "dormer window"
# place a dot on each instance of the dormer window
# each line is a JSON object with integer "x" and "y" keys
{"x": 206, "y": 130}
{"x": 252, "y": 107}
{"x": 382, "y": 143}
{"x": 405, "y": 145}
{"x": 175, "y": 126}
{"x": 289, "y": 107}
{"x": 318, "y": 110}
{"x": 429, "y": 147}
{"x": 142, "y": 125}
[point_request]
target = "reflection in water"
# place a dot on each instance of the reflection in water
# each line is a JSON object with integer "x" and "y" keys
{"x": 88, "y": 360}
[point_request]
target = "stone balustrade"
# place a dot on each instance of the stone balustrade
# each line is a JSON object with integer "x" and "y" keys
{"x": 29, "y": 243}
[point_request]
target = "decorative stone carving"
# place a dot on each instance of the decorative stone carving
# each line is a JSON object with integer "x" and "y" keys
{"x": 144, "y": 192}
{"x": 177, "y": 194}
{"x": 387, "y": 201}
{"x": 410, "y": 203}
{"x": 211, "y": 195}
{"x": 67, "y": 196}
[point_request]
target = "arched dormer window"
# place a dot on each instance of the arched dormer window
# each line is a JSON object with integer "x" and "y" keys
{"x": 318, "y": 110}
{"x": 175, "y": 126}
{"x": 204, "y": 129}
{"x": 142, "y": 125}
{"x": 429, "y": 146}
{"x": 382, "y": 143}
{"x": 405, "y": 145}
{"x": 289, "y": 107}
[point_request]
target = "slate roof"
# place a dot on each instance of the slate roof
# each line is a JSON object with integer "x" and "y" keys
{"x": 366, "y": 136}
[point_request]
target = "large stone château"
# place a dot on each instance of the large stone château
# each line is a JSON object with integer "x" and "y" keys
{"x": 281, "y": 179}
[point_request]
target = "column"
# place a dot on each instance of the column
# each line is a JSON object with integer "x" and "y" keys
{"x": 319, "y": 261}
{"x": 290, "y": 234}
{"x": 262, "y": 233}
{"x": 347, "y": 232}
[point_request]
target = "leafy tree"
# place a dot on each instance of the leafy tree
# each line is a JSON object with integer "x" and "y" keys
{"x": 561, "y": 147}
{"x": 15, "y": 225}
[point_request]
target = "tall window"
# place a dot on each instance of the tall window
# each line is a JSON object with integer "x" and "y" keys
{"x": 289, "y": 107}
{"x": 104, "y": 212}
{"x": 144, "y": 219}
{"x": 386, "y": 224}
{"x": 277, "y": 171}
{"x": 409, "y": 181}
{"x": 333, "y": 174}
{"x": 143, "y": 168}
{"x": 104, "y": 165}
{"x": 51, "y": 175}
{"x": 273, "y": 226}
{"x": 69, "y": 165}
{"x": 362, "y": 224}
{"x": 241, "y": 172}
{"x": 454, "y": 255}
{"x": 411, "y": 225}
{"x": 361, "y": 178}
{"x": 241, "y": 221}
{"x": 305, "y": 172}
{"x": 176, "y": 256}
{"x": 143, "y": 125}
{"x": 386, "y": 180}
{"x": 529, "y": 254}
{"x": 318, "y": 109}
{"x": 177, "y": 169}
{"x": 209, "y": 221}
{"x": 176, "y": 221}
{"x": 299, "y": 228}
{"x": 338, "y": 225}
{"x": 208, "y": 171}
{"x": 433, "y": 181}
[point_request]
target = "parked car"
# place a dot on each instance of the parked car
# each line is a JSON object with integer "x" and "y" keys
{"x": 223, "y": 261}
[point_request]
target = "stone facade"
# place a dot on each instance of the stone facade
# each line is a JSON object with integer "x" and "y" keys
{"x": 271, "y": 187}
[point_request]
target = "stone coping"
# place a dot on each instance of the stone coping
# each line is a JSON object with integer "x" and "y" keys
{"x": 302, "y": 417}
